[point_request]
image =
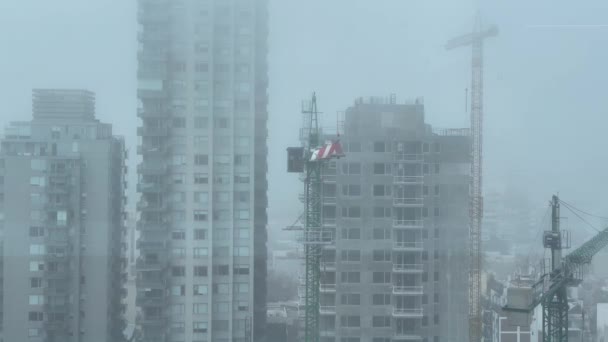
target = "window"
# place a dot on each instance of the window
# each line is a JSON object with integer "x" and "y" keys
{"x": 221, "y": 307}
{"x": 380, "y": 255}
{"x": 35, "y": 316}
{"x": 201, "y": 143}
{"x": 178, "y": 290}
{"x": 382, "y": 169}
{"x": 36, "y": 231}
{"x": 241, "y": 160}
{"x": 36, "y": 300}
{"x": 436, "y": 320}
{"x": 179, "y": 122}
{"x": 350, "y": 299}
{"x": 178, "y": 271}
{"x": 379, "y": 146}
{"x": 37, "y": 181}
{"x": 425, "y": 321}
{"x": 34, "y": 332}
{"x": 221, "y": 288}
{"x": 242, "y": 306}
{"x": 221, "y": 270}
{"x": 36, "y": 249}
{"x": 381, "y": 321}
{"x": 351, "y": 190}
{"x": 200, "y": 308}
{"x": 436, "y": 298}
{"x": 352, "y": 255}
{"x": 241, "y": 179}
{"x": 178, "y": 309}
{"x": 200, "y": 252}
{"x": 178, "y": 235}
{"x": 241, "y": 288}
{"x": 220, "y": 122}
{"x": 241, "y": 269}
{"x": 382, "y": 233}
{"x": 200, "y": 215}
{"x": 201, "y": 197}
{"x": 179, "y": 178}
{"x": 381, "y": 190}
{"x": 351, "y": 168}
{"x": 437, "y": 168}
{"x": 436, "y": 190}
{"x": 201, "y": 159}
{"x": 201, "y": 122}
{"x": 437, "y": 147}
{"x": 200, "y": 290}
{"x": 381, "y": 277}
{"x": 201, "y": 178}
{"x": 436, "y": 211}
{"x": 241, "y": 251}
{"x": 350, "y": 321}
{"x": 178, "y": 327}
{"x": 382, "y": 212}
{"x": 351, "y": 233}
{"x": 199, "y": 327}
{"x": 35, "y": 283}
{"x": 425, "y": 190}
{"x": 200, "y": 234}
{"x": 352, "y": 147}
{"x": 200, "y": 271}
{"x": 178, "y": 252}
{"x": 381, "y": 299}
{"x": 36, "y": 266}
{"x": 350, "y": 277}
{"x": 351, "y": 212}
{"x": 436, "y": 276}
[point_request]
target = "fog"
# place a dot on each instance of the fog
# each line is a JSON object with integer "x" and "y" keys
{"x": 545, "y": 100}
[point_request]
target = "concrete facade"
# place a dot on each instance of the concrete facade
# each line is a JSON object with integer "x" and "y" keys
{"x": 399, "y": 205}
{"x": 63, "y": 223}
{"x": 202, "y": 89}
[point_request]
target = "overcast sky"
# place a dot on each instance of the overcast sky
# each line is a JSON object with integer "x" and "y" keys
{"x": 545, "y": 77}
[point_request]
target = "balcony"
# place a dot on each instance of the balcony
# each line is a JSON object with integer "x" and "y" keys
{"x": 327, "y": 310}
{"x": 408, "y": 290}
{"x": 408, "y": 202}
{"x": 327, "y": 288}
{"x": 402, "y": 336}
{"x": 408, "y": 224}
{"x": 151, "y": 245}
{"x": 151, "y": 169}
{"x": 408, "y": 179}
{"x": 150, "y": 187}
{"x": 407, "y": 313}
{"x": 328, "y": 178}
{"x": 408, "y": 246}
{"x": 329, "y": 200}
{"x": 328, "y": 266}
{"x": 400, "y": 157}
{"x": 408, "y": 268}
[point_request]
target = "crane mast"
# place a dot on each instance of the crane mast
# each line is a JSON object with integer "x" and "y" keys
{"x": 475, "y": 40}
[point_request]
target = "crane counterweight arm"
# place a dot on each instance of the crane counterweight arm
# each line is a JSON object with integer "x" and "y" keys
{"x": 584, "y": 253}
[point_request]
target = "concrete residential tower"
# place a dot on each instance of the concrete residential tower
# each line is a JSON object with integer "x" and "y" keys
{"x": 203, "y": 107}
{"x": 399, "y": 203}
{"x": 62, "y": 198}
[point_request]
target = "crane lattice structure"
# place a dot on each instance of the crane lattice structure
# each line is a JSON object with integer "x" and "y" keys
{"x": 551, "y": 290}
{"x": 475, "y": 40}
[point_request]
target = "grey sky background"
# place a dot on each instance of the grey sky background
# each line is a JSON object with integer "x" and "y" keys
{"x": 545, "y": 100}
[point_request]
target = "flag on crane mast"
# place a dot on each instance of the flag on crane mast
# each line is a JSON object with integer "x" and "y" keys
{"x": 331, "y": 149}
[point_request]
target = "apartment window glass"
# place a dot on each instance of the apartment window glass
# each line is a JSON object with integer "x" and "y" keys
{"x": 381, "y": 299}
{"x": 381, "y": 321}
{"x": 352, "y": 255}
{"x": 200, "y": 308}
{"x": 351, "y": 212}
{"x": 178, "y": 271}
{"x": 379, "y": 146}
{"x": 199, "y": 327}
{"x": 200, "y": 271}
{"x": 350, "y": 277}
{"x": 201, "y": 122}
{"x": 381, "y": 277}
{"x": 201, "y": 159}
{"x": 200, "y": 252}
{"x": 200, "y": 234}
{"x": 200, "y": 215}
{"x": 178, "y": 235}
{"x": 351, "y": 168}
{"x": 178, "y": 290}
{"x": 351, "y": 233}
{"x": 200, "y": 290}
{"x": 380, "y": 255}
{"x": 350, "y": 299}
{"x": 201, "y": 178}
{"x": 351, "y": 190}
{"x": 201, "y": 197}
{"x": 350, "y": 321}
{"x": 382, "y": 234}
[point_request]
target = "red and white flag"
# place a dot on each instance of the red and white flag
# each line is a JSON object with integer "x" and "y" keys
{"x": 331, "y": 149}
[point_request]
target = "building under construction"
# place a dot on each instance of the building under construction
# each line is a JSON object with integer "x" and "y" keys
{"x": 398, "y": 204}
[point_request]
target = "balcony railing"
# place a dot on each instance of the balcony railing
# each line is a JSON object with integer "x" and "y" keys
{"x": 327, "y": 287}
{"x": 408, "y": 246}
{"x": 327, "y": 310}
{"x": 406, "y": 202}
{"x": 328, "y": 266}
{"x": 408, "y": 179}
{"x": 401, "y": 336}
{"x": 408, "y": 268}
{"x": 408, "y": 224}
{"x": 407, "y": 290}
{"x": 409, "y": 313}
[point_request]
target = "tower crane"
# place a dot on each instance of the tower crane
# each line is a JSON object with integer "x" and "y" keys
{"x": 310, "y": 160}
{"x": 551, "y": 290}
{"x": 475, "y": 39}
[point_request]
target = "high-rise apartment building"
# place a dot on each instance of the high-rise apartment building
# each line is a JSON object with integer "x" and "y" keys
{"x": 399, "y": 203}
{"x": 62, "y": 198}
{"x": 203, "y": 105}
